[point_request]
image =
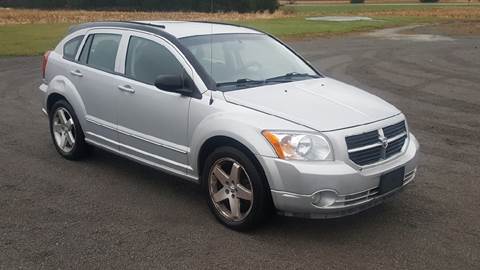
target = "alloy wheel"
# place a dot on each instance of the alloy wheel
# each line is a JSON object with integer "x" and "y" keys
{"x": 64, "y": 130}
{"x": 231, "y": 190}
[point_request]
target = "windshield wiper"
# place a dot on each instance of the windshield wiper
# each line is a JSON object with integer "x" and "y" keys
{"x": 241, "y": 82}
{"x": 290, "y": 76}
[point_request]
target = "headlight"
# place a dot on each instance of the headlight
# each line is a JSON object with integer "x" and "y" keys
{"x": 299, "y": 146}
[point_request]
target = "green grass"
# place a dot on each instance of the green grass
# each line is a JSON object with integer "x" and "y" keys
{"x": 298, "y": 27}
{"x": 30, "y": 39}
{"x": 360, "y": 8}
{"x": 34, "y": 39}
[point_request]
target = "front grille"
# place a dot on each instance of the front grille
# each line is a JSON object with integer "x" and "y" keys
{"x": 362, "y": 139}
{"x": 367, "y": 156}
{"x": 395, "y": 146}
{"x": 394, "y": 130}
{"x": 376, "y": 145}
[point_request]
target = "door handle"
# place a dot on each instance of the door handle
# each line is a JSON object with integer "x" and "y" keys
{"x": 126, "y": 88}
{"x": 76, "y": 73}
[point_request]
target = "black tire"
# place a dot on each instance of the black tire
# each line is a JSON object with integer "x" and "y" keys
{"x": 261, "y": 207}
{"x": 80, "y": 148}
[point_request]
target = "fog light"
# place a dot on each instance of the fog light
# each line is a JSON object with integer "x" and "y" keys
{"x": 324, "y": 198}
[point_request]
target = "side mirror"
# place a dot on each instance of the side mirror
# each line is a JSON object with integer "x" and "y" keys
{"x": 173, "y": 83}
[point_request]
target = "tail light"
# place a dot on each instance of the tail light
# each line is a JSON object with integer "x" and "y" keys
{"x": 44, "y": 63}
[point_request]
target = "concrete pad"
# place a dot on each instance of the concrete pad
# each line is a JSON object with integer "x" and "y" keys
{"x": 339, "y": 18}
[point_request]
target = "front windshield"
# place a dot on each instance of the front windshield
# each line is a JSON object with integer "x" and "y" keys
{"x": 238, "y": 61}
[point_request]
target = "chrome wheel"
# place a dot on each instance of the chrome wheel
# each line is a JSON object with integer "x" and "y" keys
{"x": 64, "y": 130}
{"x": 230, "y": 188}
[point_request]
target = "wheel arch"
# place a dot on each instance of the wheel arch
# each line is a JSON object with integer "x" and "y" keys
{"x": 62, "y": 88}
{"x": 215, "y": 142}
{"x": 52, "y": 99}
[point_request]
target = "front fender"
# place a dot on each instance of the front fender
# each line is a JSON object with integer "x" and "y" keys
{"x": 248, "y": 135}
{"x": 236, "y": 122}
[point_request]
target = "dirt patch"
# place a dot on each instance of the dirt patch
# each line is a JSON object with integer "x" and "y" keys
{"x": 462, "y": 13}
{"x": 454, "y": 28}
{"x": 398, "y": 33}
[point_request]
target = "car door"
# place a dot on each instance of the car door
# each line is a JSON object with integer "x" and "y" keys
{"x": 94, "y": 75}
{"x": 152, "y": 123}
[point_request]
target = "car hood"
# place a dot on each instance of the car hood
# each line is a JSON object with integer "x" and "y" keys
{"x": 322, "y": 104}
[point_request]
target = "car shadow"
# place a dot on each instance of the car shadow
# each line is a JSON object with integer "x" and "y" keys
{"x": 188, "y": 198}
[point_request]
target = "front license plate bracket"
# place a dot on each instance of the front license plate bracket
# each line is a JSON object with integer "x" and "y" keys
{"x": 391, "y": 180}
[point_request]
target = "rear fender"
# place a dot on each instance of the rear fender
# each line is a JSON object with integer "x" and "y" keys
{"x": 63, "y": 86}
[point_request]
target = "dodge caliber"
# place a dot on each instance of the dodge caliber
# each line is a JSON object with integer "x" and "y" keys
{"x": 230, "y": 108}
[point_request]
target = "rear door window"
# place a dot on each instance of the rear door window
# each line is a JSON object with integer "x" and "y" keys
{"x": 102, "y": 51}
{"x": 71, "y": 47}
{"x": 146, "y": 60}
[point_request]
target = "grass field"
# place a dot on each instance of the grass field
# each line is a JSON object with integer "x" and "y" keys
{"x": 428, "y": 10}
{"x": 31, "y": 32}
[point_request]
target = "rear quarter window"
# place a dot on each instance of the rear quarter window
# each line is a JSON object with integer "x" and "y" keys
{"x": 71, "y": 47}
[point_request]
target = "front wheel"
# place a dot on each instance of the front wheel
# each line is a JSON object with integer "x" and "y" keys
{"x": 237, "y": 192}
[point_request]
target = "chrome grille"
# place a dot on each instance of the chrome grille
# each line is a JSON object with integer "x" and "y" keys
{"x": 374, "y": 146}
{"x": 394, "y": 130}
{"x": 362, "y": 139}
{"x": 395, "y": 146}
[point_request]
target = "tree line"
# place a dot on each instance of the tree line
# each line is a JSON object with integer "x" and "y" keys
{"x": 160, "y": 5}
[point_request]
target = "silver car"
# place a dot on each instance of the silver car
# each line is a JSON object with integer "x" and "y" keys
{"x": 230, "y": 108}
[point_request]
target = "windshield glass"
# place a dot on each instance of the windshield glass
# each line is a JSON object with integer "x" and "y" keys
{"x": 237, "y": 61}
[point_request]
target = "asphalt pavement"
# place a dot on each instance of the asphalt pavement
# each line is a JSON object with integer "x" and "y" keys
{"x": 106, "y": 212}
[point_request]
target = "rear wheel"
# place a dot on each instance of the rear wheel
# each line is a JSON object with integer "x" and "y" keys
{"x": 66, "y": 132}
{"x": 237, "y": 192}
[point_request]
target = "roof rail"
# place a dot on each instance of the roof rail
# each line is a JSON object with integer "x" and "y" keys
{"x": 230, "y": 24}
{"x": 148, "y": 24}
{"x": 125, "y": 24}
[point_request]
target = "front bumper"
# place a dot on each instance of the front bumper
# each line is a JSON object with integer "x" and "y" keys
{"x": 297, "y": 187}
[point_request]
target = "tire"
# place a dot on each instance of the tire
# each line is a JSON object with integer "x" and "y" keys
{"x": 66, "y": 132}
{"x": 226, "y": 188}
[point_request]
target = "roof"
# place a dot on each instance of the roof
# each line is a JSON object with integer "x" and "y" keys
{"x": 176, "y": 29}
{"x": 181, "y": 29}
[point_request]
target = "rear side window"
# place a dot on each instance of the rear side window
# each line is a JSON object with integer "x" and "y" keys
{"x": 100, "y": 51}
{"x": 146, "y": 60}
{"x": 71, "y": 47}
